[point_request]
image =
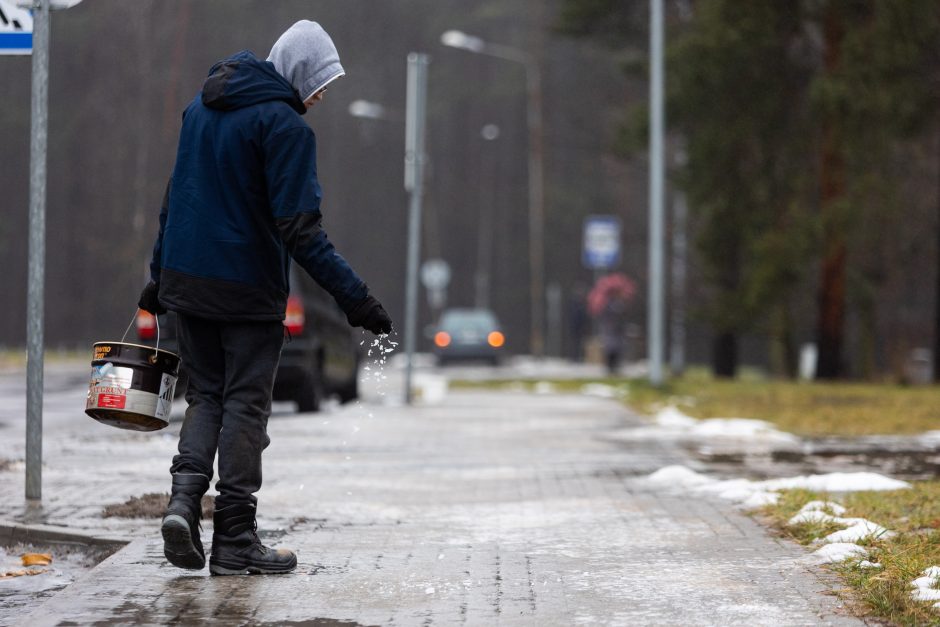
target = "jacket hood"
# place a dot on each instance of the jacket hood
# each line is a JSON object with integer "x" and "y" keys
{"x": 306, "y": 57}
{"x": 243, "y": 80}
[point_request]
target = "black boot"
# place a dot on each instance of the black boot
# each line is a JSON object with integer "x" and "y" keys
{"x": 181, "y": 543}
{"x": 236, "y": 549}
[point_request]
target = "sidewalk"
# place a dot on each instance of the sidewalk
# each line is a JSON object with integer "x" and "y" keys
{"x": 509, "y": 509}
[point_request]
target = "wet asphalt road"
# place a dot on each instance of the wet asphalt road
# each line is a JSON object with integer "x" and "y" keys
{"x": 482, "y": 509}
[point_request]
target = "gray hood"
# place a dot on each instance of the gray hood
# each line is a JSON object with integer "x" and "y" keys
{"x": 306, "y": 57}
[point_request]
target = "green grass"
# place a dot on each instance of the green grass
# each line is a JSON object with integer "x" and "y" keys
{"x": 15, "y": 359}
{"x": 808, "y": 409}
{"x": 883, "y": 593}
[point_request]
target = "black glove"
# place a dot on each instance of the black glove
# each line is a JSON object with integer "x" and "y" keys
{"x": 149, "y": 301}
{"x": 370, "y": 315}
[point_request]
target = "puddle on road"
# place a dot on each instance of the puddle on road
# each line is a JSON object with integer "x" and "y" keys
{"x": 906, "y": 459}
{"x": 20, "y": 595}
{"x": 316, "y": 622}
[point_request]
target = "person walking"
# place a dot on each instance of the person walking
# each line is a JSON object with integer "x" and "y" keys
{"x": 242, "y": 201}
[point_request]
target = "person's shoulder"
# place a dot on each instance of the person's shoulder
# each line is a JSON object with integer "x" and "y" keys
{"x": 282, "y": 111}
{"x": 280, "y": 116}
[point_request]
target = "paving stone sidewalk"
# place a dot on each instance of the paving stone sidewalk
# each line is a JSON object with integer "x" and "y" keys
{"x": 488, "y": 509}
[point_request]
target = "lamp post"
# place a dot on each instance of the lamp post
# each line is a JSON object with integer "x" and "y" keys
{"x": 463, "y": 41}
{"x": 489, "y": 133}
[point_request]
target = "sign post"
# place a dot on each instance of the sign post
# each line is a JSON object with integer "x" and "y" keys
{"x": 414, "y": 183}
{"x": 37, "y": 252}
{"x": 27, "y": 32}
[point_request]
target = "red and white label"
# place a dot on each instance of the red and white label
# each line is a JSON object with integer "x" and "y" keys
{"x": 112, "y": 401}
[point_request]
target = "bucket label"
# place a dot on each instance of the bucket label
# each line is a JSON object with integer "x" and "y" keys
{"x": 165, "y": 398}
{"x": 112, "y": 401}
{"x": 112, "y": 376}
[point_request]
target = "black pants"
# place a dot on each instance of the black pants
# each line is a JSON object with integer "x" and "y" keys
{"x": 231, "y": 368}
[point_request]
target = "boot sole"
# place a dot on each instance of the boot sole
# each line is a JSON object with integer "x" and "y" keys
{"x": 178, "y": 546}
{"x": 218, "y": 569}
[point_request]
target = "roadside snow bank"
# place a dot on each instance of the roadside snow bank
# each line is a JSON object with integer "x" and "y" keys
{"x": 837, "y": 546}
{"x": 925, "y": 586}
{"x": 838, "y": 552}
{"x": 752, "y": 494}
{"x": 671, "y": 423}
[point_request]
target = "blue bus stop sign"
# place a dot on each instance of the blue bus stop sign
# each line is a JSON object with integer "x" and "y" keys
{"x": 16, "y": 29}
{"x": 601, "y": 249}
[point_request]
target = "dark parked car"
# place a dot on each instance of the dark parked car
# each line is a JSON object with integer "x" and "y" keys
{"x": 468, "y": 334}
{"x": 320, "y": 358}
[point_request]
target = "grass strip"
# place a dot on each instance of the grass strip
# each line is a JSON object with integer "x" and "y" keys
{"x": 806, "y": 409}
{"x": 883, "y": 593}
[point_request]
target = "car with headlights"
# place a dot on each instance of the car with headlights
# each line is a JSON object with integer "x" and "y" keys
{"x": 468, "y": 335}
{"x": 320, "y": 357}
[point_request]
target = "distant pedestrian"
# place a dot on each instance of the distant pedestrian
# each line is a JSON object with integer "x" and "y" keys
{"x": 242, "y": 201}
{"x": 608, "y": 302}
{"x": 612, "y": 329}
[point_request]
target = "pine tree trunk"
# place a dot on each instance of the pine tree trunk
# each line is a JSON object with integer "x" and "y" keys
{"x": 936, "y": 312}
{"x": 832, "y": 185}
{"x": 725, "y": 355}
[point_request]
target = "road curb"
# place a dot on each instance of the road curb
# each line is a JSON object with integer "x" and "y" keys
{"x": 13, "y": 533}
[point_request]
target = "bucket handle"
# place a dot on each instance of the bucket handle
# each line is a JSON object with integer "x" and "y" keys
{"x": 156, "y": 350}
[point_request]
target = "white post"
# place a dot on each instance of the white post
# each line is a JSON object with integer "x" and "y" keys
{"x": 414, "y": 183}
{"x": 37, "y": 250}
{"x": 657, "y": 177}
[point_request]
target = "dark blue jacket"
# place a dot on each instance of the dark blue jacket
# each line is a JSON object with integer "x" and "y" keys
{"x": 243, "y": 199}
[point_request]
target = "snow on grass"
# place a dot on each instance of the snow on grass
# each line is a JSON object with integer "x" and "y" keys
{"x": 543, "y": 387}
{"x": 925, "y": 586}
{"x": 838, "y": 482}
{"x": 838, "y": 552}
{"x": 670, "y": 422}
{"x": 744, "y": 490}
{"x": 602, "y": 390}
{"x": 856, "y": 529}
{"x": 838, "y": 545}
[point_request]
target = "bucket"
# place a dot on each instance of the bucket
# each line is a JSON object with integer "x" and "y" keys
{"x": 132, "y": 385}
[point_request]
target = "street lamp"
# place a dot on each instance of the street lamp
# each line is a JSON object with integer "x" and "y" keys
{"x": 463, "y": 41}
{"x": 366, "y": 109}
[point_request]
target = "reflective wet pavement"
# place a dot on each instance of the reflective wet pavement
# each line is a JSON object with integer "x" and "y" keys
{"x": 511, "y": 509}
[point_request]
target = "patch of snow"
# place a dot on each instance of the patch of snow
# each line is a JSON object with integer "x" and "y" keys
{"x": 838, "y": 552}
{"x": 926, "y": 594}
{"x": 812, "y": 516}
{"x": 600, "y": 389}
{"x": 867, "y": 564}
{"x": 543, "y": 387}
{"x": 679, "y": 476}
{"x": 856, "y": 528}
{"x": 670, "y": 422}
{"x": 824, "y": 506}
{"x": 925, "y": 586}
{"x": 735, "y": 428}
{"x": 429, "y": 389}
{"x": 741, "y": 490}
{"x": 838, "y": 482}
{"x": 760, "y": 499}
{"x": 672, "y": 417}
{"x": 860, "y": 529}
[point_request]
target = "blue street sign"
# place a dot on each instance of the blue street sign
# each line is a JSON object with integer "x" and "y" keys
{"x": 601, "y": 249}
{"x": 16, "y": 29}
